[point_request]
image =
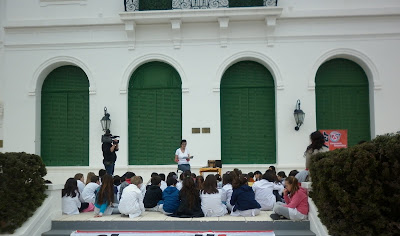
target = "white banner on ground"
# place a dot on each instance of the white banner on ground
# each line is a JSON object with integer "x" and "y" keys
{"x": 173, "y": 233}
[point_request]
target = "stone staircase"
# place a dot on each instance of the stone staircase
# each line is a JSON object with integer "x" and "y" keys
{"x": 154, "y": 221}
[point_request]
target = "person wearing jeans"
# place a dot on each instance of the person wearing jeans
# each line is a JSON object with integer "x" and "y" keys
{"x": 182, "y": 157}
{"x": 109, "y": 153}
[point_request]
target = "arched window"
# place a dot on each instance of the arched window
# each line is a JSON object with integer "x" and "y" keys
{"x": 342, "y": 99}
{"x": 248, "y": 115}
{"x": 65, "y": 118}
{"x": 155, "y": 114}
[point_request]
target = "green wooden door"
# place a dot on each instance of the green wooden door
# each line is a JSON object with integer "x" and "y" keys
{"x": 155, "y": 114}
{"x": 65, "y": 118}
{"x": 248, "y": 115}
{"x": 342, "y": 99}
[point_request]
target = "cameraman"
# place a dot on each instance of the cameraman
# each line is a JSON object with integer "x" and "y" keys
{"x": 109, "y": 149}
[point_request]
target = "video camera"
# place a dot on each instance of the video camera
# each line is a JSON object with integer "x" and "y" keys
{"x": 109, "y": 139}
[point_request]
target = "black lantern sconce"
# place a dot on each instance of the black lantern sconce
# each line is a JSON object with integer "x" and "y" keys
{"x": 298, "y": 116}
{"x": 105, "y": 121}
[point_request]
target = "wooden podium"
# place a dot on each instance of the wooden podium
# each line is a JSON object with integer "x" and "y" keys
{"x": 210, "y": 169}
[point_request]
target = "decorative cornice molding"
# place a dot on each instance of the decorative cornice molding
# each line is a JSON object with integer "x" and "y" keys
{"x": 177, "y": 17}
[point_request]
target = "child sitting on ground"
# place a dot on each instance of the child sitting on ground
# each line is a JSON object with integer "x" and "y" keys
{"x": 296, "y": 207}
{"x": 171, "y": 200}
{"x": 104, "y": 197}
{"x": 70, "y": 198}
{"x": 281, "y": 177}
{"x": 128, "y": 176}
{"x": 243, "y": 198}
{"x": 210, "y": 196}
{"x": 190, "y": 205}
{"x": 263, "y": 190}
{"x": 163, "y": 185}
{"x": 80, "y": 180}
{"x": 88, "y": 193}
{"x": 227, "y": 191}
{"x": 131, "y": 202}
{"x": 153, "y": 194}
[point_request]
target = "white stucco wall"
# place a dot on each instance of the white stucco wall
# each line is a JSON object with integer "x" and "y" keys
{"x": 90, "y": 34}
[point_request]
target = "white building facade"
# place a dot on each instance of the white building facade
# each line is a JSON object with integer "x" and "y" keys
{"x": 238, "y": 73}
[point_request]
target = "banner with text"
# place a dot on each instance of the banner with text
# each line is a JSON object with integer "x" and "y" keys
{"x": 335, "y": 138}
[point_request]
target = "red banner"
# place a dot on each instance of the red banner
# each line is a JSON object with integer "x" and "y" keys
{"x": 335, "y": 138}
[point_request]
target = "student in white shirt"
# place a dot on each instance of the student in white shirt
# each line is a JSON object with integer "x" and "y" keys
{"x": 131, "y": 202}
{"x": 263, "y": 190}
{"x": 80, "y": 180}
{"x": 210, "y": 196}
{"x": 227, "y": 190}
{"x": 179, "y": 184}
{"x": 88, "y": 193}
{"x": 182, "y": 157}
{"x": 70, "y": 198}
{"x": 163, "y": 185}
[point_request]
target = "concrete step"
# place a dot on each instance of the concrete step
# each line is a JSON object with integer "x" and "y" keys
{"x": 280, "y": 228}
{"x": 277, "y": 233}
{"x": 294, "y": 233}
{"x": 57, "y": 232}
{"x": 155, "y": 221}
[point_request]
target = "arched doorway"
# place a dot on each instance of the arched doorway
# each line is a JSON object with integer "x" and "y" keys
{"x": 342, "y": 99}
{"x": 154, "y": 114}
{"x": 248, "y": 114}
{"x": 65, "y": 117}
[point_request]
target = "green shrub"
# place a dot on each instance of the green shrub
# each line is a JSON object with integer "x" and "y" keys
{"x": 246, "y": 3}
{"x": 357, "y": 190}
{"x": 22, "y": 188}
{"x": 148, "y": 5}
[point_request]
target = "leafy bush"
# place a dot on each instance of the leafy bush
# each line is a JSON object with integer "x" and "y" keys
{"x": 246, "y": 3}
{"x": 21, "y": 188}
{"x": 146, "y": 5}
{"x": 357, "y": 190}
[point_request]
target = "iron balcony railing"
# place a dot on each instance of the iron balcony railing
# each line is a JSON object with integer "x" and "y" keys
{"x": 143, "y": 5}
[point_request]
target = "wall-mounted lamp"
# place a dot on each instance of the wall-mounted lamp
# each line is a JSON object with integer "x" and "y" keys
{"x": 298, "y": 116}
{"x": 105, "y": 121}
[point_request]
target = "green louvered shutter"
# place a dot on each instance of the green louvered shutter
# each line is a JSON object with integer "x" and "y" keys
{"x": 248, "y": 115}
{"x": 65, "y": 118}
{"x": 342, "y": 99}
{"x": 155, "y": 114}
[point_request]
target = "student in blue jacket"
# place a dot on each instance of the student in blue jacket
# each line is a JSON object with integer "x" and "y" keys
{"x": 170, "y": 202}
{"x": 243, "y": 198}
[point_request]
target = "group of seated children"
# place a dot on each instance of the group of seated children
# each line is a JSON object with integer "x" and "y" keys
{"x": 192, "y": 196}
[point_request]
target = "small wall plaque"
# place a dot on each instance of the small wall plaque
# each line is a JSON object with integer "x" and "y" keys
{"x": 195, "y": 130}
{"x": 205, "y": 130}
{"x": 1, "y": 143}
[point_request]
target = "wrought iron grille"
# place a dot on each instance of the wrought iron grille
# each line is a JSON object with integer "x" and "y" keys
{"x": 133, "y": 5}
